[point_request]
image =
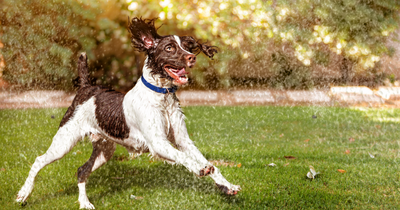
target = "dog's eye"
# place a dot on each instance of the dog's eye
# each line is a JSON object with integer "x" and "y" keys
{"x": 169, "y": 48}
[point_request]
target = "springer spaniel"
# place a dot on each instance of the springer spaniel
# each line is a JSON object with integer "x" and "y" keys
{"x": 146, "y": 119}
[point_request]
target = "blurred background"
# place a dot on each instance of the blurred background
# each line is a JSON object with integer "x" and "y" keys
{"x": 277, "y": 44}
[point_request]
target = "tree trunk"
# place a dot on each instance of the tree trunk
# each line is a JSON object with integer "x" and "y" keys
{"x": 346, "y": 69}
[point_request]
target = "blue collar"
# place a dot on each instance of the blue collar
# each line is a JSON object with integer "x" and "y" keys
{"x": 158, "y": 89}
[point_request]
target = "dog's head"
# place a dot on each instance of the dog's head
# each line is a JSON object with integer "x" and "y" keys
{"x": 169, "y": 56}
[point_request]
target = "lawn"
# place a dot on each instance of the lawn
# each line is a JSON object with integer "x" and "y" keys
{"x": 363, "y": 143}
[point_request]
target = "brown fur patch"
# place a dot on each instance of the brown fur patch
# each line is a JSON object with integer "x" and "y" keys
{"x": 110, "y": 114}
{"x": 109, "y": 111}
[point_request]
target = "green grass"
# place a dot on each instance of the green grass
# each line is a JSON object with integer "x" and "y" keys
{"x": 251, "y": 136}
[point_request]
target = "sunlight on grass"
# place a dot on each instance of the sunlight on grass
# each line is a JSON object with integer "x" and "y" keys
{"x": 381, "y": 115}
{"x": 332, "y": 140}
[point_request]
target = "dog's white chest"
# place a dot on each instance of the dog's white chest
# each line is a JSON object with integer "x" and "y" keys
{"x": 142, "y": 104}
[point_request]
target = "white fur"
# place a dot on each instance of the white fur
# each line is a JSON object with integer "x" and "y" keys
{"x": 84, "y": 202}
{"x": 178, "y": 40}
{"x": 155, "y": 121}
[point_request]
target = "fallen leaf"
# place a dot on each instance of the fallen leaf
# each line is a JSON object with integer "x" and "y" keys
{"x": 239, "y": 165}
{"x": 272, "y": 164}
{"x": 289, "y": 157}
{"x": 286, "y": 164}
{"x": 347, "y": 152}
{"x": 378, "y": 126}
{"x": 307, "y": 140}
{"x": 309, "y": 175}
{"x": 2, "y": 169}
{"x": 60, "y": 190}
{"x": 312, "y": 173}
{"x": 351, "y": 139}
{"x": 341, "y": 171}
{"x": 281, "y": 135}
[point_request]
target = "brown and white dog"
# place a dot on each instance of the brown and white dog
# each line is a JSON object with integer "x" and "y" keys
{"x": 146, "y": 119}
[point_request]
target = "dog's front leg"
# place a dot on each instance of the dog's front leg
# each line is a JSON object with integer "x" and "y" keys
{"x": 153, "y": 126}
{"x": 186, "y": 145}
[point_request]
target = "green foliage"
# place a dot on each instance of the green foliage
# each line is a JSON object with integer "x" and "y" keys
{"x": 288, "y": 73}
{"x": 42, "y": 39}
{"x": 358, "y": 30}
{"x": 251, "y": 136}
{"x": 311, "y": 29}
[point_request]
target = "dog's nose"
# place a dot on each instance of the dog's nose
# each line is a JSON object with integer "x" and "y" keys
{"x": 191, "y": 59}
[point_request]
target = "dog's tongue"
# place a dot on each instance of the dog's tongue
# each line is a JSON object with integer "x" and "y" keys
{"x": 181, "y": 72}
{"x": 179, "y": 75}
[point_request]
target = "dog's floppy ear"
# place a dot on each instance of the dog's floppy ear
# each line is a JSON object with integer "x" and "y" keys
{"x": 207, "y": 50}
{"x": 143, "y": 33}
{"x": 193, "y": 46}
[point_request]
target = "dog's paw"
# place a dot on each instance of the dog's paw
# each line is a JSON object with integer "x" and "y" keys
{"x": 229, "y": 191}
{"x": 21, "y": 200}
{"x": 84, "y": 202}
{"x": 206, "y": 171}
{"x": 86, "y": 205}
{"x": 21, "y": 197}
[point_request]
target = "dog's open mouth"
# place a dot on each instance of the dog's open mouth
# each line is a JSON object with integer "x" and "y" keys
{"x": 177, "y": 73}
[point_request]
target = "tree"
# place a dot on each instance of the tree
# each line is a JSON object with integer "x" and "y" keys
{"x": 281, "y": 40}
{"x": 310, "y": 30}
{"x": 42, "y": 39}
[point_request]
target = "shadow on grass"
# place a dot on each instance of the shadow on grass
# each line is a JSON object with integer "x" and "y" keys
{"x": 118, "y": 177}
{"x": 144, "y": 177}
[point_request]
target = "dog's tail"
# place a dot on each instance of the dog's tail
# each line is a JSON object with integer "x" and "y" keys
{"x": 83, "y": 71}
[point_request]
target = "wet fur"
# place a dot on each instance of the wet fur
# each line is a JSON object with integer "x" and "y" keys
{"x": 141, "y": 120}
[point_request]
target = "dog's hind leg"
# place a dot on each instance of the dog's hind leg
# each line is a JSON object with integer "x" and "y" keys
{"x": 65, "y": 139}
{"x": 103, "y": 150}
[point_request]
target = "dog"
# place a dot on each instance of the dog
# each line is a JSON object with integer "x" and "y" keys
{"x": 147, "y": 119}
